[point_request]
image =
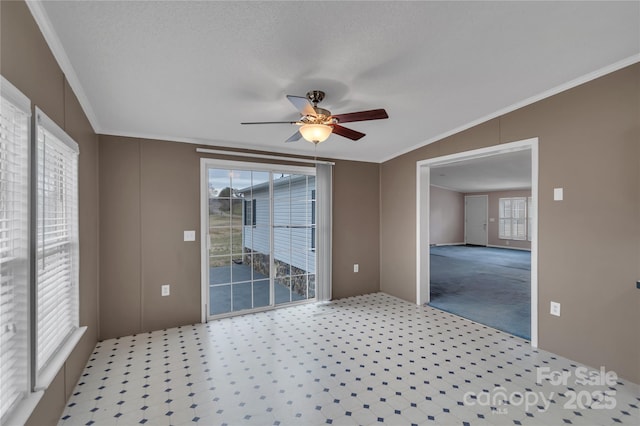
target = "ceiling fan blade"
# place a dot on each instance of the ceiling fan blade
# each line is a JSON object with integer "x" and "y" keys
{"x": 373, "y": 114}
{"x": 347, "y": 133}
{"x": 271, "y": 122}
{"x": 294, "y": 137}
{"x": 302, "y": 104}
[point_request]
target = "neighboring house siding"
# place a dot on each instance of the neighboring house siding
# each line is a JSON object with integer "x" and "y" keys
{"x": 256, "y": 237}
{"x": 292, "y": 207}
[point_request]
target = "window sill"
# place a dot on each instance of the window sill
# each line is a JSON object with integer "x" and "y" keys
{"x": 23, "y": 410}
{"x": 49, "y": 372}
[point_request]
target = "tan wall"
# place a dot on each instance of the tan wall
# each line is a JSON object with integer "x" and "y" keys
{"x": 494, "y": 213}
{"x": 446, "y": 223}
{"x": 356, "y": 223}
{"x": 446, "y": 220}
{"x": 589, "y": 140}
{"x": 150, "y": 194}
{"x": 120, "y": 248}
{"x": 26, "y": 61}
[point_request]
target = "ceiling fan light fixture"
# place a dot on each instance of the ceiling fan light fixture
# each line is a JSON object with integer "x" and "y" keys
{"x": 315, "y": 133}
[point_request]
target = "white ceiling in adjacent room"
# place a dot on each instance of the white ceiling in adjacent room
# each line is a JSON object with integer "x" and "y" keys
{"x": 498, "y": 172}
{"x": 192, "y": 71}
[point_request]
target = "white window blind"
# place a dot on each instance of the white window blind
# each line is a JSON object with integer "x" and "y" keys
{"x": 512, "y": 218}
{"x": 57, "y": 256}
{"x": 14, "y": 265}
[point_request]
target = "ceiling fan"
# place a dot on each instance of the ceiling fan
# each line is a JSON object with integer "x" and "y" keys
{"x": 317, "y": 124}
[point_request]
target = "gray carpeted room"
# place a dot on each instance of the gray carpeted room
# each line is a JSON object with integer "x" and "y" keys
{"x": 481, "y": 216}
{"x": 489, "y": 285}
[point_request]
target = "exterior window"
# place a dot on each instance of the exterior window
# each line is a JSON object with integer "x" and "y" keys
{"x": 250, "y": 212}
{"x": 513, "y": 218}
{"x": 57, "y": 255}
{"x": 14, "y": 264}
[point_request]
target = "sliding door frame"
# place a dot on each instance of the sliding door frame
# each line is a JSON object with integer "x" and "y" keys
{"x": 207, "y": 163}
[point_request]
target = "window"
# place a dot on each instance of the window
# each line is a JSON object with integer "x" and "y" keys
{"x": 250, "y": 212}
{"x": 57, "y": 256}
{"x": 14, "y": 240}
{"x": 513, "y": 218}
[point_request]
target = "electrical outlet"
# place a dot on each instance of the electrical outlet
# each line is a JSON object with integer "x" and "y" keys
{"x": 166, "y": 290}
{"x": 555, "y": 309}
{"x": 356, "y": 267}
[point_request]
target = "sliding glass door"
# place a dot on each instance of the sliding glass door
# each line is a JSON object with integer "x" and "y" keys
{"x": 294, "y": 234}
{"x": 260, "y": 240}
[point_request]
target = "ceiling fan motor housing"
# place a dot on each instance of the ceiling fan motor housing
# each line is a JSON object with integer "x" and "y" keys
{"x": 315, "y": 96}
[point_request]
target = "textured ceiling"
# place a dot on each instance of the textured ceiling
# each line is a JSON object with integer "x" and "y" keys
{"x": 192, "y": 71}
{"x": 498, "y": 172}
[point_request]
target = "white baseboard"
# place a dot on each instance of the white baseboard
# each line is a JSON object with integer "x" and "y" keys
{"x": 509, "y": 247}
{"x": 447, "y": 244}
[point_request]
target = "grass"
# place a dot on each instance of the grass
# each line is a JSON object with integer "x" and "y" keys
{"x": 226, "y": 240}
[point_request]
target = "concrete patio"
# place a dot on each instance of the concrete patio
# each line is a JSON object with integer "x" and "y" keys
{"x": 233, "y": 283}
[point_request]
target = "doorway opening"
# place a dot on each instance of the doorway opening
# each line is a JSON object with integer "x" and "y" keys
{"x": 425, "y": 228}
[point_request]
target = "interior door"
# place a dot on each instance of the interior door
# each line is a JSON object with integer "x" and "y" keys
{"x": 475, "y": 219}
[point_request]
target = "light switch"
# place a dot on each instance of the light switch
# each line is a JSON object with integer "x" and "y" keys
{"x": 356, "y": 267}
{"x": 189, "y": 235}
{"x": 558, "y": 194}
{"x": 165, "y": 290}
{"x": 555, "y": 309}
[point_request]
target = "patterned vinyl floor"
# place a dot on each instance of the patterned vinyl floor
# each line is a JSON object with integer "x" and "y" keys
{"x": 364, "y": 360}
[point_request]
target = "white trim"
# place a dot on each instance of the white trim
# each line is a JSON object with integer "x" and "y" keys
{"x": 49, "y": 125}
{"x": 447, "y": 244}
{"x": 486, "y": 225}
{"x": 531, "y": 100}
{"x": 42, "y": 20}
{"x": 205, "y": 163}
{"x": 24, "y": 409}
{"x": 204, "y": 241}
{"x": 479, "y": 153}
{"x": 423, "y": 204}
{"x": 534, "y": 244}
{"x": 422, "y": 220}
{"x": 15, "y": 96}
{"x": 266, "y": 156}
{"x": 49, "y": 372}
{"x": 509, "y": 247}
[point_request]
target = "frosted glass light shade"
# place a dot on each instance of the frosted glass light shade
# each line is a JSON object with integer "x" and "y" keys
{"x": 315, "y": 133}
